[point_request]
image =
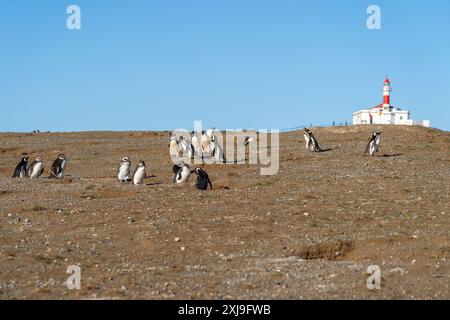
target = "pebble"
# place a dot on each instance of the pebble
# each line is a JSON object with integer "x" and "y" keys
{"x": 177, "y": 239}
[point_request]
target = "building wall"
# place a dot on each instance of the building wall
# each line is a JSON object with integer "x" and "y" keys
{"x": 397, "y": 117}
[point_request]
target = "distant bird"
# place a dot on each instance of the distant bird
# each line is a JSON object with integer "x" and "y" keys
{"x": 124, "y": 170}
{"x": 140, "y": 173}
{"x": 311, "y": 141}
{"x": 374, "y": 143}
{"x": 202, "y": 180}
{"x": 36, "y": 168}
{"x": 21, "y": 168}
{"x": 181, "y": 173}
{"x": 58, "y": 166}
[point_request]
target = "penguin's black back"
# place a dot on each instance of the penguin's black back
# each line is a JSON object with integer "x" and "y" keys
{"x": 22, "y": 166}
{"x": 202, "y": 180}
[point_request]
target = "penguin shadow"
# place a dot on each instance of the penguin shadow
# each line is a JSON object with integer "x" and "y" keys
{"x": 387, "y": 155}
{"x": 153, "y": 183}
{"x": 327, "y": 150}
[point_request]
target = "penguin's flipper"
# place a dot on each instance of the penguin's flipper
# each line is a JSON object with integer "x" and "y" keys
{"x": 210, "y": 184}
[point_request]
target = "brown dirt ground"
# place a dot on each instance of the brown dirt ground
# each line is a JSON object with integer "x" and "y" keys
{"x": 309, "y": 232}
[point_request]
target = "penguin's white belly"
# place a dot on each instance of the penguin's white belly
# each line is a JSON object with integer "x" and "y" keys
{"x": 196, "y": 144}
{"x": 139, "y": 176}
{"x": 306, "y": 140}
{"x": 63, "y": 165}
{"x": 186, "y": 148}
{"x": 377, "y": 142}
{"x": 124, "y": 173}
{"x": 312, "y": 146}
{"x": 184, "y": 175}
{"x": 35, "y": 173}
{"x": 205, "y": 144}
{"x": 23, "y": 173}
{"x": 173, "y": 148}
{"x": 374, "y": 146}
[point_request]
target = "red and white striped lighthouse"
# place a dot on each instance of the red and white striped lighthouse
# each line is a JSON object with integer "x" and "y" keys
{"x": 387, "y": 94}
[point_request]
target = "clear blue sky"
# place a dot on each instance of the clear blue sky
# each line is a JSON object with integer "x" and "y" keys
{"x": 154, "y": 65}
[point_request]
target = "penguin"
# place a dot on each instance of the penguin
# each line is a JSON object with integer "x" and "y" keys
{"x": 181, "y": 173}
{"x": 173, "y": 147}
{"x": 210, "y": 133}
{"x": 202, "y": 180}
{"x": 195, "y": 144}
{"x": 248, "y": 140}
{"x": 58, "y": 166}
{"x": 311, "y": 141}
{"x": 217, "y": 152}
{"x": 36, "y": 168}
{"x": 123, "y": 173}
{"x": 140, "y": 173}
{"x": 205, "y": 143}
{"x": 21, "y": 168}
{"x": 374, "y": 143}
{"x": 187, "y": 147}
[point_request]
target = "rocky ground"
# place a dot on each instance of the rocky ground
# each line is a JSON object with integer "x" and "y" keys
{"x": 309, "y": 232}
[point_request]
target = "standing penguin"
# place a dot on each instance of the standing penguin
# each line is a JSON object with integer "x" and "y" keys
{"x": 181, "y": 173}
{"x": 173, "y": 147}
{"x": 140, "y": 173}
{"x": 311, "y": 141}
{"x": 21, "y": 168}
{"x": 124, "y": 170}
{"x": 58, "y": 166}
{"x": 186, "y": 147}
{"x": 205, "y": 143}
{"x": 202, "y": 180}
{"x": 195, "y": 144}
{"x": 374, "y": 143}
{"x": 248, "y": 140}
{"x": 36, "y": 168}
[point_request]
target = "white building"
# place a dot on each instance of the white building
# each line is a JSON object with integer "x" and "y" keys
{"x": 385, "y": 113}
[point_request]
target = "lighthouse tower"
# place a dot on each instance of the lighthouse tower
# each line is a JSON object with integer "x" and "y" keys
{"x": 387, "y": 94}
{"x": 385, "y": 113}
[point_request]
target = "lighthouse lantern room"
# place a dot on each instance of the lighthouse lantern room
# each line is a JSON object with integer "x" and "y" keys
{"x": 385, "y": 113}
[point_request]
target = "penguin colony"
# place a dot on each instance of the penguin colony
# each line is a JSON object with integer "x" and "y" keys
{"x": 190, "y": 147}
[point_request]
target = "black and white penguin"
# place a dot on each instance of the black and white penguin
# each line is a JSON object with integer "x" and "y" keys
{"x": 186, "y": 147}
{"x": 58, "y": 166}
{"x": 174, "y": 147}
{"x": 202, "y": 180}
{"x": 181, "y": 173}
{"x": 248, "y": 140}
{"x": 36, "y": 168}
{"x": 195, "y": 144}
{"x": 374, "y": 143}
{"x": 22, "y": 168}
{"x": 124, "y": 170}
{"x": 140, "y": 173}
{"x": 311, "y": 141}
{"x": 205, "y": 143}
